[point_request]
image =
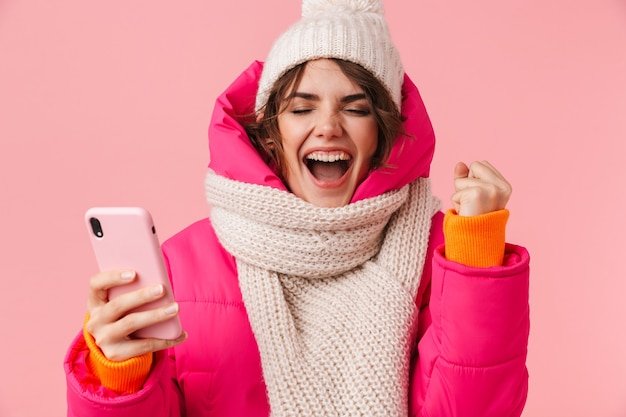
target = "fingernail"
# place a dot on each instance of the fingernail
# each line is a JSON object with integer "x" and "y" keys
{"x": 127, "y": 275}
{"x": 172, "y": 309}
{"x": 157, "y": 290}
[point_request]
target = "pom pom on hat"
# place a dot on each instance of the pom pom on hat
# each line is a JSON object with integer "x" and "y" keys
{"x": 316, "y": 7}
{"x": 352, "y": 30}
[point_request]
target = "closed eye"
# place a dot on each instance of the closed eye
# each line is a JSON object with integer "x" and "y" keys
{"x": 359, "y": 112}
{"x": 356, "y": 104}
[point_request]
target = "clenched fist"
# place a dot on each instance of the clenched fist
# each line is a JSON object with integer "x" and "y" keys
{"x": 479, "y": 189}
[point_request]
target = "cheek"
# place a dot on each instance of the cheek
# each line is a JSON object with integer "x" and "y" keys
{"x": 369, "y": 142}
{"x": 290, "y": 147}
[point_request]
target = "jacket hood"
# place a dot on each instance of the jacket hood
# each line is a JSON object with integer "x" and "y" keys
{"x": 232, "y": 155}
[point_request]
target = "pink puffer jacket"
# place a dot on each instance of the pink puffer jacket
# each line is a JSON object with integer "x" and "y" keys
{"x": 473, "y": 323}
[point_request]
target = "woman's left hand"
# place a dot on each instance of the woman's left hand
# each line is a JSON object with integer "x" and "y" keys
{"x": 480, "y": 189}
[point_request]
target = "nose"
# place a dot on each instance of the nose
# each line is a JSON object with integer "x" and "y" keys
{"x": 328, "y": 125}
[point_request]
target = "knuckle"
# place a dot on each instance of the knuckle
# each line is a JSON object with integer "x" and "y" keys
{"x": 147, "y": 294}
{"x": 115, "y": 308}
{"x": 91, "y": 327}
{"x": 129, "y": 324}
{"x": 99, "y": 281}
{"x": 94, "y": 283}
{"x": 475, "y": 193}
{"x": 113, "y": 353}
{"x": 147, "y": 345}
{"x": 104, "y": 341}
{"x": 162, "y": 314}
{"x": 171, "y": 343}
{"x": 491, "y": 190}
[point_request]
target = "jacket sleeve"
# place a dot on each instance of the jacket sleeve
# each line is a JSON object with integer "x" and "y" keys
{"x": 86, "y": 397}
{"x": 471, "y": 357}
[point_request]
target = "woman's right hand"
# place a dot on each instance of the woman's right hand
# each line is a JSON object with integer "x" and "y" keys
{"x": 111, "y": 324}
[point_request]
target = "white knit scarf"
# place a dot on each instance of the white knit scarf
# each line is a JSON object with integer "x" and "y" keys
{"x": 329, "y": 292}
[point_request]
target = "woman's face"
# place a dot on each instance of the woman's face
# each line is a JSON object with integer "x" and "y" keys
{"x": 329, "y": 135}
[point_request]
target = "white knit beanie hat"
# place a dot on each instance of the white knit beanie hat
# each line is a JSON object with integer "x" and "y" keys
{"x": 352, "y": 30}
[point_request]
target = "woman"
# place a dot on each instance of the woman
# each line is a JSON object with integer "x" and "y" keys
{"x": 321, "y": 284}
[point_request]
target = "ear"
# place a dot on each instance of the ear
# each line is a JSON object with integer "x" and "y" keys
{"x": 259, "y": 117}
{"x": 270, "y": 145}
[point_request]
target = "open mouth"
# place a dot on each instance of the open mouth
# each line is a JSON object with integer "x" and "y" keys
{"x": 328, "y": 166}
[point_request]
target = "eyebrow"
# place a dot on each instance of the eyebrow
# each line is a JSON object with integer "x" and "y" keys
{"x": 314, "y": 97}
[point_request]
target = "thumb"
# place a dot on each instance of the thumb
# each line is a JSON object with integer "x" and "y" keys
{"x": 461, "y": 170}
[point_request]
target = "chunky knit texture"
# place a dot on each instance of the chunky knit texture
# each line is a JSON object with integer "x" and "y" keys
{"x": 329, "y": 292}
{"x": 352, "y": 30}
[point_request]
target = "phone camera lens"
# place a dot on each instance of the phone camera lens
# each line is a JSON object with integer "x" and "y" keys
{"x": 96, "y": 227}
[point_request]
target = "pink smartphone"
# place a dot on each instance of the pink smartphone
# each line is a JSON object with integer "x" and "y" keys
{"x": 125, "y": 238}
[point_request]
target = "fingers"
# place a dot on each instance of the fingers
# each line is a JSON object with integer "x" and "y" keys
{"x": 461, "y": 170}
{"x": 485, "y": 171}
{"x": 100, "y": 284}
{"x": 479, "y": 188}
{"x": 115, "y": 339}
{"x": 127, "y": 302}
{"x": 113, "y": 322}
{"x": 132, "y": 348}
{"x": 132, "y": 322}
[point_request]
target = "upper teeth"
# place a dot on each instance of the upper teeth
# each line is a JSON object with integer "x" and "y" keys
{"x": 328, "y": 157}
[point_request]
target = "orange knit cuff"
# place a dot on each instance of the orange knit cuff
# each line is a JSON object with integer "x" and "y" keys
{"x": 124, "y": 377}
{"x": 476, "y": 241}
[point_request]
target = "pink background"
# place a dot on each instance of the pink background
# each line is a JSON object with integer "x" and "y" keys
{"x": 109, "y": 102}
